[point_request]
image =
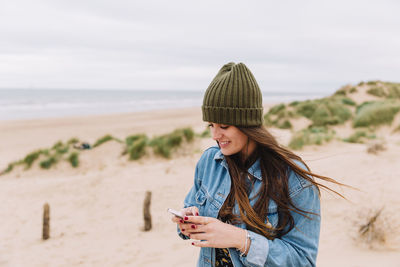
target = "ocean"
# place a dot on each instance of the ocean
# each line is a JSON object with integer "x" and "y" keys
{"x": 18, "y": 104}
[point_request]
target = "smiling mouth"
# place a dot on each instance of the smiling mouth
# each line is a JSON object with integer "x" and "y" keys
{"x": 223, "y": 144}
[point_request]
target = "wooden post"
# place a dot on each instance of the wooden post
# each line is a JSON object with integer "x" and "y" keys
{"x": 46, "y": 222}
{"x": 146, "y": 211}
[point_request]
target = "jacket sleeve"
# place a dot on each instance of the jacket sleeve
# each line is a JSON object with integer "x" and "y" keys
{"x": 297, "y": 248}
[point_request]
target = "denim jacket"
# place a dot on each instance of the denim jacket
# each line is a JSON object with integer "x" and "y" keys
{"x": 299, "y": 247}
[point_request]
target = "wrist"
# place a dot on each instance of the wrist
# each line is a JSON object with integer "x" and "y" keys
{"x": 240, "y": 242}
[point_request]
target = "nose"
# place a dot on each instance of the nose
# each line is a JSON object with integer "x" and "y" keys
{"x": 216, "y": 133}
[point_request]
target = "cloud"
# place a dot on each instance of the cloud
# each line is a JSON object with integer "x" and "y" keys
{"x": 289, "y": 45}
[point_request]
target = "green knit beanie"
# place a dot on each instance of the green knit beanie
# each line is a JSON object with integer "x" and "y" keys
{"x": 233, "y": 98}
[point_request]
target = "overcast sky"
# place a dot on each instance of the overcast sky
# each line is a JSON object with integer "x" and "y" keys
{"x": 295, "y": 46}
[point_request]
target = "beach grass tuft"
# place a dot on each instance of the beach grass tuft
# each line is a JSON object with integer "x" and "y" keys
{"x": 73, "y": 158}
{"x": 206, "y": 133}
{"x": 9, "y": 168}
{"x": 353, "y": 90}
{"x": 325, "y": 111}
{"x": 374, "y": 231}
{"x": 73, "y": 141}
{"x": 279, "y": 116}
{"x": 47, "y": 163}
{"x": 31, "y": 158}
{"x": 164, "y": 145}
{"x": 377, "y": 91}
{"x": 105, "y": 139}
{"x": 341, "y": 92}
{"x": 311, "y": 136}
{"x": 348, "y": 101}
{"x": 375, "y": 113}
{"x": 376, "y": 147}
{"x": 60, "y": 148}
{"x": 136, "y": 146}
{"x": 360, "y": 137}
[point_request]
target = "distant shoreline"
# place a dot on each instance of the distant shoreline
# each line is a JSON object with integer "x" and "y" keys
{"x": 38, "y": 104}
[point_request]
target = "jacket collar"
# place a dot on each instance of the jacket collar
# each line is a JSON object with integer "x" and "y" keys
{"x": 254, "y": 170}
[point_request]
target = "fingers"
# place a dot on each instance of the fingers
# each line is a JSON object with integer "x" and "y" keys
{"x": 201, "y": 244}
{"x": 195, "y": 211}
{"x": 190, "y": 211}
{"x": 198, "y": 219}
{"x": 176, "y": 219}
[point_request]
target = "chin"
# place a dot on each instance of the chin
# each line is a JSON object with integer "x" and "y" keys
{"x": 227, "y": 152}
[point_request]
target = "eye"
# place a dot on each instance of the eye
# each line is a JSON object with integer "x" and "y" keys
{"x": 224, "y": 127}
{"x": 210, "y": 125}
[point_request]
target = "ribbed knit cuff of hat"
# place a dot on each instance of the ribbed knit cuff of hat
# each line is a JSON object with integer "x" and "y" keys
{"x": 245, "y": 117}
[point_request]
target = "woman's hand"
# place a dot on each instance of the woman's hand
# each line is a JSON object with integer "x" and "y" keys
{"x": 189, "y": 211}
{"x": 213, "y": 233}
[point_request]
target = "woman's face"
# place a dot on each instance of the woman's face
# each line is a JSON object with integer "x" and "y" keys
{"x": 231, "y": 140}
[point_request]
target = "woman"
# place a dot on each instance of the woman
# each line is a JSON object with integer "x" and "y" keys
{"x": 253, "y": 202}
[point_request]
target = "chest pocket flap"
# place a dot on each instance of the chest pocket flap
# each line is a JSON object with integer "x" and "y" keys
{"x": 201, "y": 196}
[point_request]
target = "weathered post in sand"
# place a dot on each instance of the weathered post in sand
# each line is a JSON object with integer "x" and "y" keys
{"x": 146, "y": 211}
{"x": 46, "y": 222}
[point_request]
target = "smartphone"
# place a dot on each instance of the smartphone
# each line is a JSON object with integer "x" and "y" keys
{"x": 176, "y": 213}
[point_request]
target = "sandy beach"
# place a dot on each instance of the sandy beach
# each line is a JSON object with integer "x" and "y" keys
{"x": 96, "y": 209}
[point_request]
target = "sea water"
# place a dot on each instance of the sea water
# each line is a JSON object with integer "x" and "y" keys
{"x": 46, "y": 103}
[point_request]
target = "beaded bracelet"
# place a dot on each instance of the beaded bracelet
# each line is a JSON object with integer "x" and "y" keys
{"x": 245, "y": 244}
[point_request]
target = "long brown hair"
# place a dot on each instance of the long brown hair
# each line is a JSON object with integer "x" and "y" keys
{"x": 274, "y": 162}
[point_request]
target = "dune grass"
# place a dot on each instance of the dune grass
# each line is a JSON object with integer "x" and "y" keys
{"x": 103, "y": 140}
{"x": 47, "y": 163}
{"x": 204, "y": 134}
{"x": 73, "y": 141}
{"x": 31, "y": 158}
{"x": 164, "y": 145}
{"x": 311, "y": 136}
{"x": 353, "y": 90}
{"x": 348, "y": 101}
{"x": 73, "y": 158}
{"x": 359, "y": 137}
{"x": 279, "y": 116}
{"x": 377, "y": 91}
{"x": 325, "y": 111}
{"x": 136, "y": 146}
{"x": 375, "y": 113}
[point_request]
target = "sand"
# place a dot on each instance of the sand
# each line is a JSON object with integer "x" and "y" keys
{"x": 96, "y": 209}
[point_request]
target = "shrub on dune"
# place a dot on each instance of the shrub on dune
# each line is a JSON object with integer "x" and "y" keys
{"x": 9, "y": 168}
{"x": 206, "y": 133}
{"x": 72, "y": 141}
{"x": 188, "y": 133}
{"x": 47, "y": 163}
{"x": 394, "y": 90}
{"x": 348, "y": 101}
{"x": 353, "y": 90}
{"x": 136, "y": 146}
{"x": 60, "y": 148}
{"x": 277, "y": 108}
{"x": 311, "y": 136}
{"x": 375, "y": 113}
{"x": 73, "y": 158}
{"x": 377, "y": 91}
{"x": 279, "y": 115}
{"x": 105, "y": 139}
{"x": 359, "y": 137}
{"x": 163, "y": 145}
{"x": 31, "y": 158}
{"x": 325, "y": 111}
